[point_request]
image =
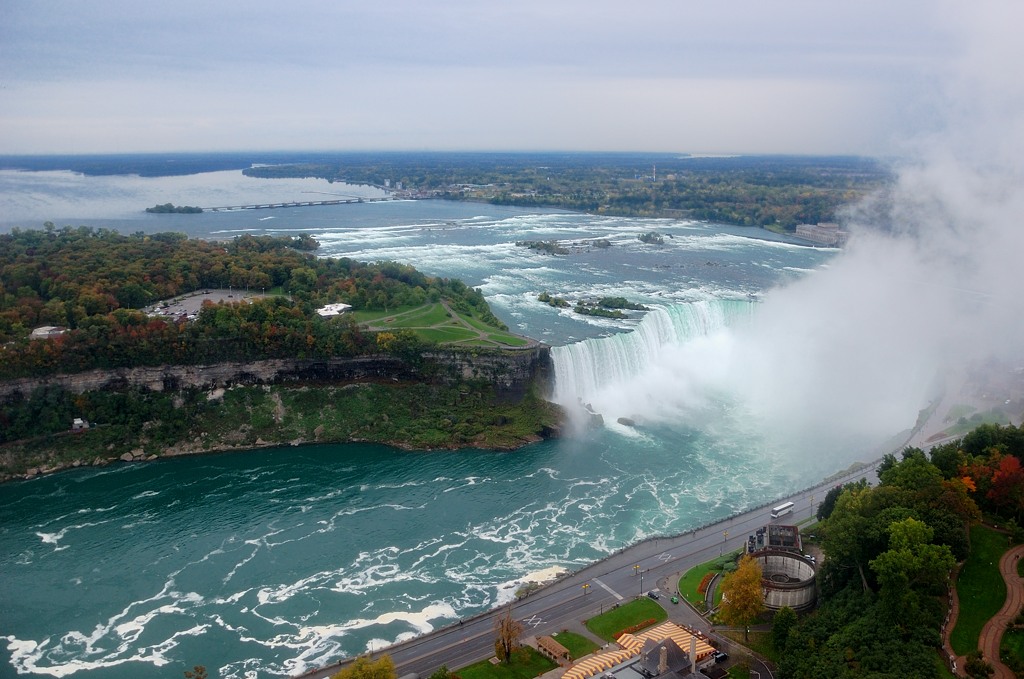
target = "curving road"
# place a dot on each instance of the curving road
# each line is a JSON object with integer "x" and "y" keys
{"x": 619, "y": 578}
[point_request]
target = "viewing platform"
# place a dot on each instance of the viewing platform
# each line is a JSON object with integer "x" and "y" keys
{"x": 302, "y": 203}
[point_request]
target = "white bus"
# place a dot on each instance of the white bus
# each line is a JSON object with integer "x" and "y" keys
{"x": 782, "y": 510}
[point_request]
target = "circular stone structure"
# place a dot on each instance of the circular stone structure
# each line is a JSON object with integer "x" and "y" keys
{"x": 787, "y": 579}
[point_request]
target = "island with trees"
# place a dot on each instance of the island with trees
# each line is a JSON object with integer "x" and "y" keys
{"x": 170, "y": 208}
{"x": 415, "y": 361}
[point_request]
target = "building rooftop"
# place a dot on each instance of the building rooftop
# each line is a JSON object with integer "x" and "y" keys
{"x": 623, "y": 663}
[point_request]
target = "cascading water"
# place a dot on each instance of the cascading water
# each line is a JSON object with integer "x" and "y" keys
{"x": 593, "y": 368}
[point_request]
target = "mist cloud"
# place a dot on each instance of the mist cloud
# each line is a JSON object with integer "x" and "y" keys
{"x": 926, "y": 294}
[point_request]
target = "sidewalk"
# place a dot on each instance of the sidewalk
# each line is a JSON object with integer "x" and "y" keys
{"x": 992, "y": 633}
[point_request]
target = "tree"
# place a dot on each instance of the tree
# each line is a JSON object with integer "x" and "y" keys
{"x": 1007, "y": 490}
{"x": 364, "y": 668}
{"x": 844, "y": 530}
{"x": 197, "y": 672}
{"x": 829, "y": 503}
{"x": 506, "y": 635}
{"x": 443, "y": 672}
{"x": 912, "y": 567}
{"x": 742, "y": 596}
{"x": 784, "y": 621}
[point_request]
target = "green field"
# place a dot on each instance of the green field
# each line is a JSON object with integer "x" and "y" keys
{"x": 610, "y": 623}
{"x": 436, "y": 323}
{"x": 980, "y": 587}
{"x": 690, "y": 582}
{"x": 526, "y": 664}
{"x": 577, "y": 644}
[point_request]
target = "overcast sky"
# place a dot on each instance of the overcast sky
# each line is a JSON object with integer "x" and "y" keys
{"x": 759, "y": 76}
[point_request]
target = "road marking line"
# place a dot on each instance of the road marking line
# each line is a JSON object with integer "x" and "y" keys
{"x": 610, "y": 590}
{"x": 664, "y": 556}
{"x": 534, "y": 621}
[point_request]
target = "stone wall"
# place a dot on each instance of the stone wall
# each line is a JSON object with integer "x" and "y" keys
{"x": 511, "y": 372}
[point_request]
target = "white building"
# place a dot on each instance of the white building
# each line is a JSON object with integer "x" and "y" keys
{"x": 333, "y": 309}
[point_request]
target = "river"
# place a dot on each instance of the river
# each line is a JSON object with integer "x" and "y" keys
{"x": 272, "y": 562}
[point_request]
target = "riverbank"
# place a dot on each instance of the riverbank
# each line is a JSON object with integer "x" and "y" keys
{"x": 409, "y": 416}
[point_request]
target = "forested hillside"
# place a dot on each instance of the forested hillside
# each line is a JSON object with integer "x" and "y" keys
{"x": 890, "y": 550}
{"x": 94, "y": 283}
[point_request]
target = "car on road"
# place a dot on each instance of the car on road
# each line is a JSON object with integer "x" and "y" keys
{"x": 720, "y": 656}
{"x": 675, "y": 599}
{"x": 654, "y": 594}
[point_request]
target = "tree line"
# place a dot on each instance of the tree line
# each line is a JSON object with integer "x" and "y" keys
{"x": 95, "y": 282}
{"x": 773, "y": 191}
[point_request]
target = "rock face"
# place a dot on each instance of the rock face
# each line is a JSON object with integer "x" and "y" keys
{"x": 511, "y": 372}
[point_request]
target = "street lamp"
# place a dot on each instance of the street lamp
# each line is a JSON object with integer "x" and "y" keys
{"x": 641, "y": 583}
{"x": 725, "y": 537}
{"x": 586, "y": 586}
{"x": 636, "y": 569}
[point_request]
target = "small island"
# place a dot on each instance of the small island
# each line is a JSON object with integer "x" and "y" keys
{"x": 551, "y": 247}
{"x": 171, "y": 208}
{"x": 606, "y": 307}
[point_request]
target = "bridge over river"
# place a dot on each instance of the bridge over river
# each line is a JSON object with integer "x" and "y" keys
{"x": 302, "y": 203}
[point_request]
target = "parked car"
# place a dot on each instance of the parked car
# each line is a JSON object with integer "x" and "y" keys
{"x": 654, "y": 594}
{"x": 720, "y": 656}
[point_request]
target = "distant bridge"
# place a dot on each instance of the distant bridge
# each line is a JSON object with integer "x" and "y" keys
{"x": 302, "y": 203}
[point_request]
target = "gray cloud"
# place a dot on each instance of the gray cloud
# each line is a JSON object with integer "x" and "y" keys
{"x": 746, "y": 76}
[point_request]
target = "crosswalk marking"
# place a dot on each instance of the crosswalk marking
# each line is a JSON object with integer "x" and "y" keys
{"x": 609, "y": 589}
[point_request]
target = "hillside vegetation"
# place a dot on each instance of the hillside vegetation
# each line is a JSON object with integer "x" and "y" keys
{"x": 416, "y": 335}
{"x": 890, "y": 550}
{"x": 94, "y": 283}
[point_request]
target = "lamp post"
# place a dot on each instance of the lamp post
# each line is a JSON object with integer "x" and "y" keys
{"x": 725, "y": 536}
{"x": 641, "y": 583}
{"x": 636, "y": 569}
{"x": 586, "y": 586}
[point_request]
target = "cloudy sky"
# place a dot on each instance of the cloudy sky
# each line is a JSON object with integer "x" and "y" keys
{"x": 658, "y": 75}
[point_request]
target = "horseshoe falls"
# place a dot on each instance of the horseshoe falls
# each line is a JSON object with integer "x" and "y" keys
{"x": 601, "y": 370}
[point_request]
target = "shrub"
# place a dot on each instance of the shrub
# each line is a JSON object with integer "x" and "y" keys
{"x": 637, "y": 627}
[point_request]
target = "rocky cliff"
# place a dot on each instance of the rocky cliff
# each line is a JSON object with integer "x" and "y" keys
{"x": 512, "y": 373}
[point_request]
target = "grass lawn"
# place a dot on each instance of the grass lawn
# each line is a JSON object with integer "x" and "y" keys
{"x": 577, "y": 644}
{"x": 760, "y": 642}
{"x": 610, "y": 623}
{"x": 507, "y": 339}
{"x": 980, "y": 588}
{"x": 433, "y": 323}
{"x": 446, "y": 334}
{"x": 1013, "y": 644}
{"x": 526, "y": 664}
{"x": 423, "y": 317}
{"x": 987, "y": 417}
{"x": 366, "y": 316}
{"x": 690, "y": 582}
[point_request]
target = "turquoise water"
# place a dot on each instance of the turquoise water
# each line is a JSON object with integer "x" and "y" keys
{"x": 271, "y": 562}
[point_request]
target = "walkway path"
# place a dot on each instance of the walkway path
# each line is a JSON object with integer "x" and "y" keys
{"x": 992, "y": 633}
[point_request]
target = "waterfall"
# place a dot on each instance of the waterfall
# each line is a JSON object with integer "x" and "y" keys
{"x": 585, "y": 368}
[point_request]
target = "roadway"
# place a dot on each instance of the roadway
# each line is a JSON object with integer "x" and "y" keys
{"x": 619, "y": 578}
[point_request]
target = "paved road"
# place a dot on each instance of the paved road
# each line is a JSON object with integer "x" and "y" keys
{"x": 618, "y": 578}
